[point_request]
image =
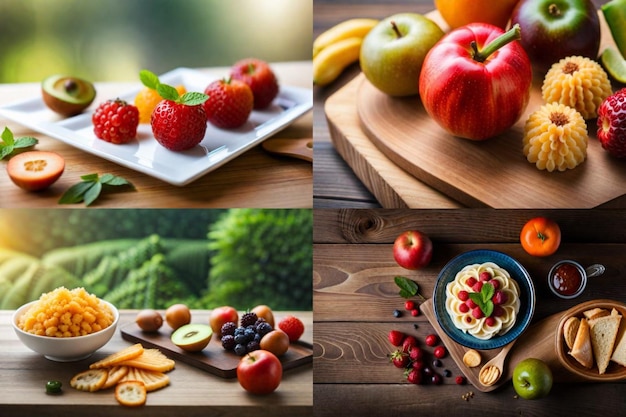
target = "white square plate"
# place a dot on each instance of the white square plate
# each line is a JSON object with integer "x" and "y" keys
{"x": 145, "y": 154}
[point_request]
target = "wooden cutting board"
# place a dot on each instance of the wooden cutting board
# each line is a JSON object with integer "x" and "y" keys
{"x": 538, "y": 341}
{"x": 491, "y": 173}
{"x": 213, "y": 359}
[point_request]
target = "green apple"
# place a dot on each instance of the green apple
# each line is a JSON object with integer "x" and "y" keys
{"x": 393, "y": 51}
{"x": 532, "y": 379}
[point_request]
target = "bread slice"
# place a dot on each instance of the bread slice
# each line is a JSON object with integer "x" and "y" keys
{"x": 581, "y": 350}
{"x": 603, "y": 335}
{"x": 619, "y": 353}
{"x": 570, "y": 328}
{"x": 595, "y": 313}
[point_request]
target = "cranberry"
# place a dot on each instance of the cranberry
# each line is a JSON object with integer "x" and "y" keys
{"x": 478, "y": 286}
{"x": 409, "y": 305}
{"x": 477, "y": 313}
{"x": 460, "y": 380}
{"x": 463, "y": 308}
{"x": 497, "y": 311}
{"x": 495, "y": 283}
{"x": 470, "y": 281}
{"x": 463, "y": 295}
{"x": 470, "y": 303}
{"x": 484, "y": 276}
{"x": 415, "y": 312}
{"x": 499, "y": 297}
{"x": 439, "y": 352}
{"x": 431, "y": 339}
{"x": 490, "y": 321}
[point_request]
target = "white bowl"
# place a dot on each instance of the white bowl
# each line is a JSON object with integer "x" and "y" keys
{"x": 65, "y": 349}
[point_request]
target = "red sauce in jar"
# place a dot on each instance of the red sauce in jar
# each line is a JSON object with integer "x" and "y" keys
{"x": 567, "y": 279}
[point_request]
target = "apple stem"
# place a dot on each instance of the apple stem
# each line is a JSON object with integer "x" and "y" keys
{"x": 511, "y": 35}
{"x": 395, "y": 29}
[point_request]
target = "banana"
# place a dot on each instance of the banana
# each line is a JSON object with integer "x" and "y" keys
{"x": 333, "y": 59}
{"x": 357, "y": 28}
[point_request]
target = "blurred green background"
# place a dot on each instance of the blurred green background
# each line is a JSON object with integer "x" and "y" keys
{"x": 111, "y": 40}
{"x": 157, "y": 257}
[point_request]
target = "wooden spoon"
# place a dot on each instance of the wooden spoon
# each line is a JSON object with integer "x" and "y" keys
{"x": 296, "y": 148}
{"x": 491, "y": 372}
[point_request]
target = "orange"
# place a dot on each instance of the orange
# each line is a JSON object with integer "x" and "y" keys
{"x": 459, "y": 13}
{"x": 147, "y": 99}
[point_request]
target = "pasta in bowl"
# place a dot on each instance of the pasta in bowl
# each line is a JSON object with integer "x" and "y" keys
{"x": 483, "y": 299}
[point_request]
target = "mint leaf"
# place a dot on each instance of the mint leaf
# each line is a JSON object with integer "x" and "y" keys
{"x": 149, "y": 79}
{"x": 9, "y": 143}
{"x": 487, "y": 308}
{"x": 476, "y": 298}
{"x": 168, "y": 92}
{"x": 483, "y": 298}
{"x": 90, "y": 188}
{"x": 193, "y": 98}
{"x": 487, "y": 291}
{"x": 408, "y": 288}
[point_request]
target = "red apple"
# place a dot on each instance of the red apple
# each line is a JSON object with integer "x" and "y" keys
{"x": 412, "y": 249}
{"x": 221, "y": 315}
{"x": 259, "y": 372}
{"x": 475, "y": 82}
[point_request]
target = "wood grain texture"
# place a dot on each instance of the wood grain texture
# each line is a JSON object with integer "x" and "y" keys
{"x": 192, "y": 391}
{"x": 354, "y": 296}
{"x": 255, "y": 179}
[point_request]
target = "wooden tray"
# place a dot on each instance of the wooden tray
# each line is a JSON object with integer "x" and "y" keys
{"x": 492, "y": 173}
{"x": 537, "y": 342}
{"x": 213, "y": 358}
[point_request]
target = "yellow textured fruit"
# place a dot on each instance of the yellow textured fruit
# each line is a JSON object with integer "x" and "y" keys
{"x": 555, "y": 138}
{"x": 147, "y": 99}
{"x": 577, "y": 82}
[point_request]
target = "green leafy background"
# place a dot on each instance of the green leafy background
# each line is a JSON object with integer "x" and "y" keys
{"x": 154, "y": 258}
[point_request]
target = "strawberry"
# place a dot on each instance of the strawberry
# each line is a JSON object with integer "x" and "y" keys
{"x": 399, "y": 359}
{"x": 179, "y": 122}
{"x": 292, "y": 326}
{"x": 408, "y": 343}
{"x": 414, "y": 376}
{"x": 416, "y": 353}
{"x": 396, "y": 337}
{"x": 612, "y": 124}
{"x": 115, "y": 121}
{"x": 230, "y": 103}
{"x": 261, "y": 79}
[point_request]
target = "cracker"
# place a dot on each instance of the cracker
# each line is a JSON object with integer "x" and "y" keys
{"x": 115, "y": 375}
{"x": 472, "y": 358}
{"x": 489, "y": 375}
{"x": 131, "y": 393}
{"x": 151, "y": 360}
{"x": 90, "y": 380}
{"x": 152, "y": 380}
{"x": 118, "y": 357}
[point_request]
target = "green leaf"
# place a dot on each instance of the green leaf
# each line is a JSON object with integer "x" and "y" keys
{"x": 408, "y": 288}
{"x": 487, "y": 291}
{"x": 168, "y": 92}
{"x": 149, "y": 79}
{"x": 5, "y": 151}
{"x": 483, "y": 298}
{"x": 92, "y": 193}
{"x": 75, "y": 194}
{"x": 7, "y": 137}
{"x": 25, "y": 142}
{"x": 487, "y": 308}
{"x": 476, "y": 298}
{"x": 110, "y": 179}
{"x": 90, "y": 177}
{"x": 193, "y": 98}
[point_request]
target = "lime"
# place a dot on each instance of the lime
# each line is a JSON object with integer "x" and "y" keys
{"x": 614, "y": 64}
{"x": 615, "y": 16}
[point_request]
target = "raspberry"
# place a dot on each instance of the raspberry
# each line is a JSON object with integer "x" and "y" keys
{"x": 463, "y": 295}
{"x": 248, "y": 319}
{"x": 115, "y": 121}
{"x": 612, "y": 124}
{"x": 230, "y": 103}
{"x": 228, "y": 328}
{"x": 261, "y": 79}
{"x": 228, "y": 342}
{"x": 292, "y": 326}
{"x": 484, "y": 276}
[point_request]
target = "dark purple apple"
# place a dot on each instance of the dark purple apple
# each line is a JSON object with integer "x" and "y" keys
{"x": 555, "y": 29}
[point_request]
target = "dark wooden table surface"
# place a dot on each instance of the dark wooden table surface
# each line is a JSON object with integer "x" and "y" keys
{"x": 354, "y": 297}
{"x": 334, "y": 183}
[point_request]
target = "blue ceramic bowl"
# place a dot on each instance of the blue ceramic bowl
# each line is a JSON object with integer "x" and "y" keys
{"x": 517, "y": 272}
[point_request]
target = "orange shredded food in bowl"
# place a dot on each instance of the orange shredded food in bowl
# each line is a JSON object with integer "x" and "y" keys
{"x": 66, "y": 313}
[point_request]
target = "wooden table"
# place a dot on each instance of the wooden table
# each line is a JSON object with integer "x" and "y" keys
{"x": 336, "y": 184}
{"x": 354, "y": 297}
{"x": 192, "y": 392}
{"x": 255, "y": 179}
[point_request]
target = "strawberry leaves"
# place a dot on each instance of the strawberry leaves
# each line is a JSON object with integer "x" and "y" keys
{"x": 483, "y": 298}
{"x": 89, "y": 189}
{"x": 167, "y": 92}
{"x": 10, "y": 143}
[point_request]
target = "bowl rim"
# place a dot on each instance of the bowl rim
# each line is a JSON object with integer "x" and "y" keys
{"x": 23, "y": 307}
{"x": 567, "y": 361}
{"x": 520, "y": 274}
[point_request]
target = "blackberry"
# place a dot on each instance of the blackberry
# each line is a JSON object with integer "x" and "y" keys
{"x": 253, "y": 345}
{"x": 228, "y": 328}
{"x": 228, "y": 342}
{"x": 240, "y": 349}
{"x": 248, "y": 319}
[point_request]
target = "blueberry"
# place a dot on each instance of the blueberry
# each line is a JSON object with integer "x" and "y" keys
{"x": 437, "y": 363}
{"x": 447, "y": 373}
{"x": 436, "y": 379}
{"x": 397, "y": 313}
{"x": 240, "y": 349}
